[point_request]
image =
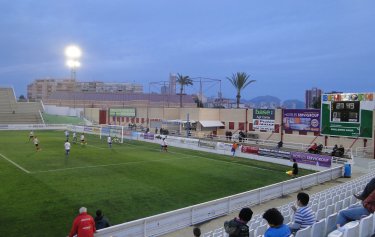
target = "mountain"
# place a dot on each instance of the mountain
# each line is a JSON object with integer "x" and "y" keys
{"x": 293, "y": 104}
{"x": 272, "y": 102}
{"x": 266, "y": 101}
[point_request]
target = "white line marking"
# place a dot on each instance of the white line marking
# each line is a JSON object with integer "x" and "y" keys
{"x": 184, "y": 156}
{"x": 97, "y": 166}
{"x": 15, "y": 164}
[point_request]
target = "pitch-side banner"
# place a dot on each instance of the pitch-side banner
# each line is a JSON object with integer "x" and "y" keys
{"x": 264, "y": 119}
{"x": 302, "y": 119}
{"x": 312, "y": 159}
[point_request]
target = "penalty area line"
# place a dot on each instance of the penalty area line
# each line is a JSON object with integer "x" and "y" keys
{"x": 15, "y": 164}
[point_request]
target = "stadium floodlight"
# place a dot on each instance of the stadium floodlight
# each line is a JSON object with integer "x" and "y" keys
{"x": 73, "y": 63}
{"x": 73, "y": 51}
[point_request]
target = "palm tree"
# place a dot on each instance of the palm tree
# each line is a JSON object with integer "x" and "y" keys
{"x": 183, "y": 81}
{"x": 240, "y": 81}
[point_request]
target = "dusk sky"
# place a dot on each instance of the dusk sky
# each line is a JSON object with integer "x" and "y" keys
{"x": 286, "y": 46}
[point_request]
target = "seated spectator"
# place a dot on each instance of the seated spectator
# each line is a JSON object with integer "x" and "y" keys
{"x": 197, "y": 232}
{"x": 279, "y": 144}
{"x": 237, "y": 227}
{"x": 275, "y": 221}
{"x": 370, "y": 186}
{"x": 101, "y": 221}
{"x": 356, "y": 212}
{"x": 319, "y": 149}
{"x": 313, "y": 148}
{"x": 303, "y": 215}
{"x": 340, "y": 151}
{"x": 334, "y": 150}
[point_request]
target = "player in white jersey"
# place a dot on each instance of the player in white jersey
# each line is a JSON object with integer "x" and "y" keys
{"x": 74, "y": 137}
{"x": 67, "y": 148}
{"x": 36, "y": 143}
{"x": 31, "y": 135}
{"x": 83, "y": 142}
{"x": 109, "y": 140}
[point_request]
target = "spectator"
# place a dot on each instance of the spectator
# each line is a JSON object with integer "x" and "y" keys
{"x": 101, "y": 221}
{"x": 275, "y": 221}
{"x": 356, "y": 211}
{"x": 334, "y": 150}
{"x": 340, "y": 151}
{"x": 370, "y": 186}
{"x": 313, "y": 148}
{"x": 279, "y": 144}
{"x": 83, "y": 225}
{"x": 197, "y": 232}
{"x": 237, "y": 227}
{"x": 303, "y": 215}
{"x": 156, "y": 130}
{"x": 295, "y": 168}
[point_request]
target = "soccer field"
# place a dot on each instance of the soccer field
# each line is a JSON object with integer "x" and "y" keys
{"x": 42, "y": 191}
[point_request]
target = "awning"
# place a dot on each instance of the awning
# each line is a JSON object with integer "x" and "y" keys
{"x": 211, "y": 123}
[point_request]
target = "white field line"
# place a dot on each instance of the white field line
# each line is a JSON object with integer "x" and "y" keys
{"x": 15, "y": 164}
{"x": 182, "y": 156}
{"x": 97, "y": 166}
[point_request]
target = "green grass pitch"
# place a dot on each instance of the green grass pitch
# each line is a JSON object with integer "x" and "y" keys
{"x": 42, "y": 191}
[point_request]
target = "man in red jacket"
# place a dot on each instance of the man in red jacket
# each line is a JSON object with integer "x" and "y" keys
{"x": 83, "y": 224}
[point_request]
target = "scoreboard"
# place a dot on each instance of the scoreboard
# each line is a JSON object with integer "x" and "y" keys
{"x": 345, "y": 111}
{"x": 347, "y": 114}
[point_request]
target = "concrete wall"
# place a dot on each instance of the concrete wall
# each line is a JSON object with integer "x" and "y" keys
{"x": 236, "y": 116}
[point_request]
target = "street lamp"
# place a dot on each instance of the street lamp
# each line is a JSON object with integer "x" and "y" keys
{"x": 73, "y": 53}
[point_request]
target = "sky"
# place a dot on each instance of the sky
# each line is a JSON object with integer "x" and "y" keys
{"x": 286, "y": 46}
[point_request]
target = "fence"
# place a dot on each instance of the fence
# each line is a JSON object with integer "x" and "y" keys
{"x": 171, "y": 221}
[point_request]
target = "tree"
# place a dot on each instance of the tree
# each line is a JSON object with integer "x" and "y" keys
{"x": 22, "y": 98}
{"x": 240, "y": 81}
{"x": 183, "y": 81}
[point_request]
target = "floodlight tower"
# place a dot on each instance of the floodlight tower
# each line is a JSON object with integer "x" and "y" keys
{"x": 73, "y": 53}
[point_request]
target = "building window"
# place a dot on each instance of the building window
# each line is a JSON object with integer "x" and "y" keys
{"x": 231, "y": 125}
{"x": 241, "y": 126}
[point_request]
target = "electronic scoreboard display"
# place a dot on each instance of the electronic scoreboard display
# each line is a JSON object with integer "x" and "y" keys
{"x": 345, "y": 111}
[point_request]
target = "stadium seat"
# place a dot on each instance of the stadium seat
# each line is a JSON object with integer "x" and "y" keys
{"x": 352, "y": 229}
{"x": 320, "y": 214}
{"x": 346, "y": 202}
{"x": 318, "y": 229}
{"x": 306, "y": 232}
{"x": 330, "y": 223}
{"x": 260, "y": 230}
{"x": 218, "y": 232}
{"x": 366, "y": 226}
{"x": 339, "y": 206}
{"x": 330, "y": 210}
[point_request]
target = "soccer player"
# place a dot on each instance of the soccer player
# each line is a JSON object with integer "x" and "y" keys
{"x": 83, "y": 139}
{"x": 67, "y": 148}
{"x": 31, "y": 135}
{"x": 67, "y": 134}
{"x": 164, "y": 145}
{"x": 74, "y": 137}
{"x": 109, "y": 140}
{"x": 234, "y": 148}
{"x": 36, "y": 143}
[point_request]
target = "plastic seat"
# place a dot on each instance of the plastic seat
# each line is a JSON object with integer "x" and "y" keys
{"x": 260, "y": 230}
{"x": 304, "y": 232}
{"x": 318, "y": 229}
{"x": 330, "y": 210}
{"x": 366, "y": 226}
{"x": 339, "y": 206}
{"x": 320, "y": 214}
{"x": 352, "y": 229}
{"x": 330, "y": 223}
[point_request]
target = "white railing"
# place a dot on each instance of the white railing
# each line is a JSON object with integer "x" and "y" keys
{"x": 171, "y": 221}
{"x": 41, "y": 115}
{"x": 366, "y": 152}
